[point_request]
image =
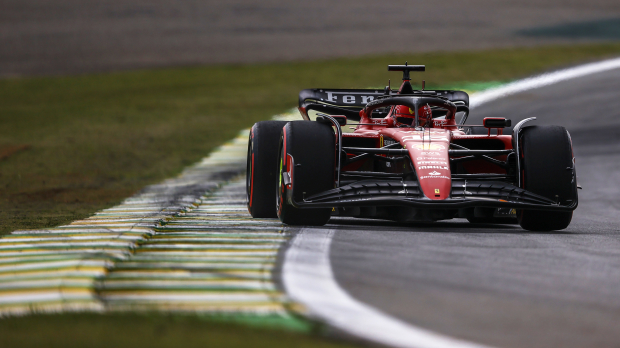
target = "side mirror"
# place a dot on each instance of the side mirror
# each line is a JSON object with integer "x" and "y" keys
{"x": 496, "y": 122}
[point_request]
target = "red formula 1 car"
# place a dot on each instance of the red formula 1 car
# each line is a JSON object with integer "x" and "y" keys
{"x": 410, "y": 158}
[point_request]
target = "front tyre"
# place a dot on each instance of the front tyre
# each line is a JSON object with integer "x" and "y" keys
{"x": 547, "y": 170}
{"x": 306, "y": 167}
{"x": 261, "y": 168}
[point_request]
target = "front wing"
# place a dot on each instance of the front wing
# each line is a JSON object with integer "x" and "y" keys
{"x": 464, "y": 194}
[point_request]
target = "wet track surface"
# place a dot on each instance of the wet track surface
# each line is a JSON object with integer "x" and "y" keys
{"x": 498, "y": 284}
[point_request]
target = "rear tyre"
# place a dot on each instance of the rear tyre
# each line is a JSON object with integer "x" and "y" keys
{"x": 547, "y": 159}
{"x": 307, "y": 151}
{"x": 261, "y": 168}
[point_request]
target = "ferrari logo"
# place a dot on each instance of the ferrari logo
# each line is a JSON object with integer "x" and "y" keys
{"x": 436, "y": 191}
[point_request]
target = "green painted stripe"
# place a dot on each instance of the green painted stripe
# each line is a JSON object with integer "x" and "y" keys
{"x": 199, "y": 228}
{"x": 209, "y": 247}
{"x": 55, "y": 264}
{"x": 192, "y": 296}
{"x": 73, "y": 245}
{"x": 82, "y": 229}
{"x": 199, "y": 266}
{"x": 55, "y": 237}
{"x": 175, "y": 257}
{"x": 43, "y": 284}
{"x": 217, "y": 241}
{"x": 53, "y": 257}
{"x": 201, "y": 253}
{"x": 165, "y": 274}
{"x": 115, "y": 253}
{"x": 179, "y": 285}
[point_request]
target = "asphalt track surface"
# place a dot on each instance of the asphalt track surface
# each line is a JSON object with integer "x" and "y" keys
{"x": 76, "y": 36}
{"x": 499, "y": 285}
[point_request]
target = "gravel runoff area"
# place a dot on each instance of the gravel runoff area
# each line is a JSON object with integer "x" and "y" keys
{"x": 75, "y": 36}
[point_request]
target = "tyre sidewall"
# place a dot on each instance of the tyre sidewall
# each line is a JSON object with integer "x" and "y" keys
{"x": 311, "y": 146}
{"x": 261, "y": 168}
{"x": 547, "y": 165}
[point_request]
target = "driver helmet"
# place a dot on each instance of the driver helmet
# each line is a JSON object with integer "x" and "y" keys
{"x": 404, "y": 115}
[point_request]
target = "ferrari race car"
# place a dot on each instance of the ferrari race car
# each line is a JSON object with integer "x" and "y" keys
{"x": 409, "y": 158}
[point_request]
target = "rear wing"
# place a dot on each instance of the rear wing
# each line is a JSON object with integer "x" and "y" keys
{"x": 349, "y": 102}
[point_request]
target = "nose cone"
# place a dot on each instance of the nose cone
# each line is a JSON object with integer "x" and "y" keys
{"x": 429, "y": 153}
{"x": 433, "y": 169}
{"x": 428, "y": 150}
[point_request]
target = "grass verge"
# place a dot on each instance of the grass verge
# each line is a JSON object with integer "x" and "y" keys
{"x": 73, "y": 145}
{"x": 146, "y": 330}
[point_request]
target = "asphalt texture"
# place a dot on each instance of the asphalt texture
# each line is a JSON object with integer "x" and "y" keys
{"x": 76, "y": 36}
{"x": 498, "y": 284}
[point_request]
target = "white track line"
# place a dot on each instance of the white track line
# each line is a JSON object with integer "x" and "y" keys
{"x": 307, "y": 273}
{"x": 308, "y": 279}
{"x": 538, "y": 81}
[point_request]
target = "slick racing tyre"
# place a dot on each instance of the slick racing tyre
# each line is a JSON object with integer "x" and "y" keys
{"x": 547, "y": 170}
{"x": 307, "y": 151}
{"x": 261, "y": 168}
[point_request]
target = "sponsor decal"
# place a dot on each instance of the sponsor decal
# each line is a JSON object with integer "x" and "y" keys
{"x": 431, "y": 158}
{"x": 434, "y": 162}
{"x": 433, "y": 167}
{"x": 440, "y": 123}
{"x": 429, "y": 146}
{"x": 434, "y": 177}
{"x": 419, "y": 136}
{"x": 388, "y": 141}
{"x": 350, "y": 97}
{"x": 415, "y": 137}
{"x": 436, "y": 191}
{"x": 431, "y": 154}
{"x": 434, "y": 173}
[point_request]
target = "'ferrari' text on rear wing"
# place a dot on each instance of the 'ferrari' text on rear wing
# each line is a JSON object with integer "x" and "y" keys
{"x": 350, "y": 101}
